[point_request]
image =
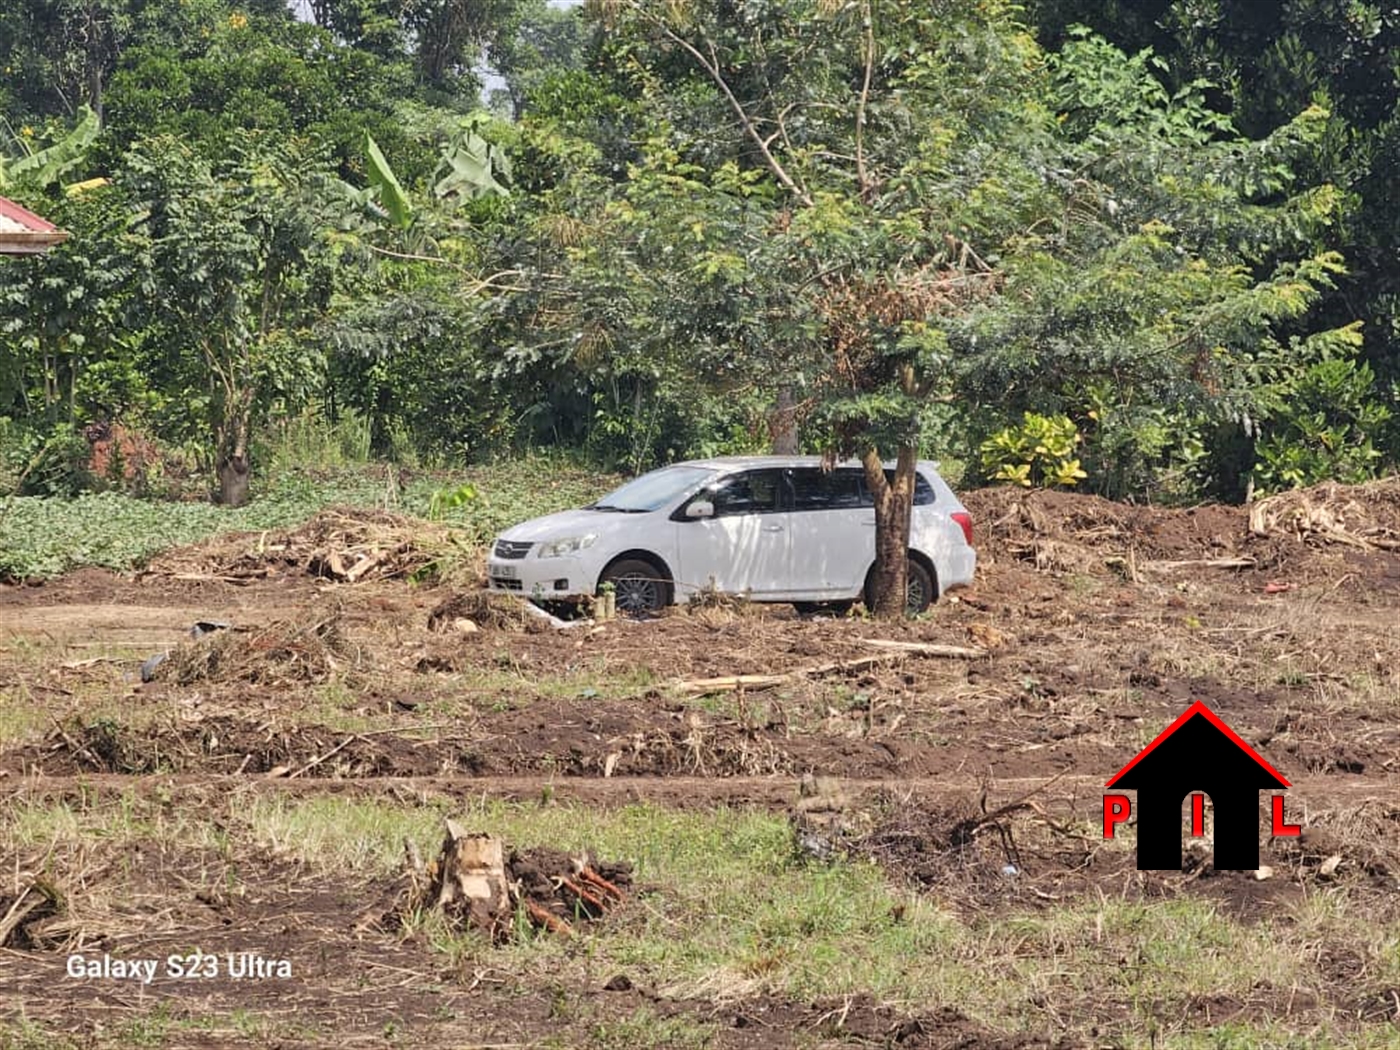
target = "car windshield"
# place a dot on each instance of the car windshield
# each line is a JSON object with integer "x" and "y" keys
{"x": 652, "y": 491}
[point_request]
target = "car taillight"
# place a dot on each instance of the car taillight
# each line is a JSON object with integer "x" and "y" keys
{"x": 965, "y": 521}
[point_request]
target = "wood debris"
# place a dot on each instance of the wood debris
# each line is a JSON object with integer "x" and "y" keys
{"x": 343, "y": 545}
{"x": 892, "y": 650}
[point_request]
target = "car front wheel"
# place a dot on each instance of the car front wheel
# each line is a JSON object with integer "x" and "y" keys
{"x": 638, "y": 588}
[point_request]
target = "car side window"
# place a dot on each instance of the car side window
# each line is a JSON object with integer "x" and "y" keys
{"x": 753, "y": 492}
{"x": 816, "y": 489}
{"x": 923, "y": 491}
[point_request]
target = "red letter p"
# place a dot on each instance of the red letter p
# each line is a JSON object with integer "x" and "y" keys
{"x": 1116, "y": 809}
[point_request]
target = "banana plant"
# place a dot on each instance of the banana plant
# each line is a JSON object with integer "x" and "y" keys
{"x": 391, "y": 193}
{"x": 40, "y": 169}
{"x": 468, "y": 169}
{"x": 470, "y": 164}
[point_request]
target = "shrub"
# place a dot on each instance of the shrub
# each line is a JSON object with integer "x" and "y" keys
{"x": 1038, "y": 452}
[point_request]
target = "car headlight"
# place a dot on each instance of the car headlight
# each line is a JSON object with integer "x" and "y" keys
{"x": 559, "y": 548}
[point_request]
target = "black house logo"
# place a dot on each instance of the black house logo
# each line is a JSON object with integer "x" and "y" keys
{"x": 1200, "y": 755}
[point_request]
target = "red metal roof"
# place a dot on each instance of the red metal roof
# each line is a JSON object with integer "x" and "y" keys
{"x": 24, "y": 233}
{"x": 1198, "y": 708}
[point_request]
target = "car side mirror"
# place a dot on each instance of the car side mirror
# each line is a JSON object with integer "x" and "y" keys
{"x": 701, "y": 508}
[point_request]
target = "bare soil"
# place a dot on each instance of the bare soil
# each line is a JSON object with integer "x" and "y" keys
{"x": 974, "y": 780}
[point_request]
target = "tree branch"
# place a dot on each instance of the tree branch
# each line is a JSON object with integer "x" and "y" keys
{"x": 868, "y": 46}
{"x": 711, "y": 67}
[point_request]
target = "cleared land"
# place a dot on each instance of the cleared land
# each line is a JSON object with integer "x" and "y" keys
{"x": 940, "y": 882}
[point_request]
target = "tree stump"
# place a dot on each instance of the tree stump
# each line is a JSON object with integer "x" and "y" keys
{"x": 468, "y": 880}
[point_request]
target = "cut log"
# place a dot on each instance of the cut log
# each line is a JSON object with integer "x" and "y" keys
{"x": 1201, "y": 563}
{"x": 952, "y": 652}
{"x": 28, "y": 901}
{"x": 892, "y": 651}
{"x": 364, "y": 565}
{"x": 735, "y": 682}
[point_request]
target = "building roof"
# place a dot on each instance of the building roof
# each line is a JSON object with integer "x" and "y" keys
{"x": 24, "y": 233}
{"x": 1205, "y": 739}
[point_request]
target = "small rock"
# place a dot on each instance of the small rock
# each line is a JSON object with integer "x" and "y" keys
{"x": 618, "y": 983}
{"x": 1264, "y": 872}
{"x": 1330, "y": 864}
{"x": 465, "y": 626}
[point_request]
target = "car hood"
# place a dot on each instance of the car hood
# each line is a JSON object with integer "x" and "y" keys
{"x": 569, "y": 523}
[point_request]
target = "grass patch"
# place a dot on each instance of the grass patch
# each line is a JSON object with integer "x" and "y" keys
{"x": 44, "y": 536}
{"x": 726, "y": 910}
{"x": 731, "y": 911}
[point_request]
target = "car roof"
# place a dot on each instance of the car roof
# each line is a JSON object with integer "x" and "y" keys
{"x": 745, "y": 462}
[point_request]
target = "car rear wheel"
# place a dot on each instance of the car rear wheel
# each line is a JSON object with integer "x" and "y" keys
{"x": 920, "y": 590}
{"x": 639, "y": 589}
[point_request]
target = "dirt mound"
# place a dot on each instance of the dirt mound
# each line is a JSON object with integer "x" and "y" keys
{"x": 283, "y": 651}
{"x": 1300, "y": 534}
{"x": 1072, "y": 532}
{"x": 343, "y": 544}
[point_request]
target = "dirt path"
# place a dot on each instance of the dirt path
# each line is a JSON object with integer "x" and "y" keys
{"x": 684, "y": 792}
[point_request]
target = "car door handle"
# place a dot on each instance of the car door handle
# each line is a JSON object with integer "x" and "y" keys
{"x": 772, "y": 528}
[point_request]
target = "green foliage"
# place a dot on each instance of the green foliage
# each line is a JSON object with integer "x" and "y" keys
{"x": 446, "y": 500}
{"x": 1039, "y": 452}
{"x": 42, "y": 168}
{"x": 1323, "y": 419}
{"x": 915, "y": 223}
{"x": 386, "y": 184}
{"x": 45, "y": 536}
{"x": 243, "y": 269}
{"x": 470, "y": 163}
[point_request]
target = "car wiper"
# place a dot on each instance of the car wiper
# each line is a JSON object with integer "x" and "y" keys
{"x": 615, "y": 509}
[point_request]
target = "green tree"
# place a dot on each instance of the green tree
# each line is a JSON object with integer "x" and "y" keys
{"x": 243, "y": 266}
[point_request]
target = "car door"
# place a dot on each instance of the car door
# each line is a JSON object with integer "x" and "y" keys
{"x": 833, "y": 535}
{"x": 745, "y": 545}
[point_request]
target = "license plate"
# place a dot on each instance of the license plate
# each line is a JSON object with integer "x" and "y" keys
{"x": 506, "y": 572}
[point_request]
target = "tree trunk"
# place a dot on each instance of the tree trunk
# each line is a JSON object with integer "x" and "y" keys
{"x": 893, "y": 502}
{"x": 232, "y": 457}
{"x": 782, "y": 424}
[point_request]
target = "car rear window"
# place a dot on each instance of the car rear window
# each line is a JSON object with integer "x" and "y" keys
{"x": 813, "y": 489}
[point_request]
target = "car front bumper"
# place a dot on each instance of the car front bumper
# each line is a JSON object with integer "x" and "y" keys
{"x": 554, "y": 579}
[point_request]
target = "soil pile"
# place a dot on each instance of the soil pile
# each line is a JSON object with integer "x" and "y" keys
{"x": 1298, "y": 533}
{"x": 484, "y": 610}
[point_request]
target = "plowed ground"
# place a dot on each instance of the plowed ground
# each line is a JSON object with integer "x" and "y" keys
{"x": 258, "y": 799}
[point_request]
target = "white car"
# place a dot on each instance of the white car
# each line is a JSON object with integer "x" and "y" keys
{"x": 777, "y": 528}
